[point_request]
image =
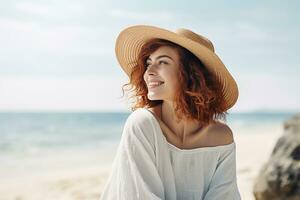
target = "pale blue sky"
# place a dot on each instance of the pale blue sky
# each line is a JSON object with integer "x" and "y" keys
{"x": 59, "y": 55}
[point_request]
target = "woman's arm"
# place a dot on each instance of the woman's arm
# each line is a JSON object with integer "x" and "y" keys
{"x": 134, "y": 174}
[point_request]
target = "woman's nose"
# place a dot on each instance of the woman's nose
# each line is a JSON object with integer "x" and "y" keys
{"x": 151, "y": 69}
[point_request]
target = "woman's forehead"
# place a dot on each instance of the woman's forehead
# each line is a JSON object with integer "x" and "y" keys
{"x": 164, "y": 51}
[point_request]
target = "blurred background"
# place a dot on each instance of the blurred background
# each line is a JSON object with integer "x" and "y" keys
{"x": 61, "y": 111}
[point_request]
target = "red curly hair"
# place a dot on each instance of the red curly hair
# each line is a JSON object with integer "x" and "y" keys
{"x": 200, "y": 96}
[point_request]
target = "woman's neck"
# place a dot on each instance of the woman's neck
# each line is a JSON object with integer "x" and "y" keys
{"x": 181, "y": 128}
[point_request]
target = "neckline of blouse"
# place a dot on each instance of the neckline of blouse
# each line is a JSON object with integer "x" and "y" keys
{"x": 198, "y": 149}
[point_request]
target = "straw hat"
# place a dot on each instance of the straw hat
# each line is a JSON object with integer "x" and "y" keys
{"x": 131, "y": 39}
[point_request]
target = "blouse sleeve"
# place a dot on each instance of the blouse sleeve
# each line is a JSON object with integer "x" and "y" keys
{"x": 134, "y": 174}
{"x": 223, "y": 185}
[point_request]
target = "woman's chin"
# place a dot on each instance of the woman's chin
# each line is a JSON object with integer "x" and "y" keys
{"x": 153, "y": 97}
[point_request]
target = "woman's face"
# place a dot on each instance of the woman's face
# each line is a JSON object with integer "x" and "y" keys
{"x": 161, "y": 75}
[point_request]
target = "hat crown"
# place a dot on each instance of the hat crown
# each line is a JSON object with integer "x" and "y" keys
{"x": 196, "y": 38}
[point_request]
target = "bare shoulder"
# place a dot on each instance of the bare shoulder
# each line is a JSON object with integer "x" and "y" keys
{"x": 220, "y": 134}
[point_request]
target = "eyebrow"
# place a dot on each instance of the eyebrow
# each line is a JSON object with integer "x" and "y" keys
{"x": 160, "y": 57}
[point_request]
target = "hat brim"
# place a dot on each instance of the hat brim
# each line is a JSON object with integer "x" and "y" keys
{"x": 131, "y": 40}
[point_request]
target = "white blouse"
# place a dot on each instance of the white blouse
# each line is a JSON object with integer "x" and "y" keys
{"x": 148, "y": 167}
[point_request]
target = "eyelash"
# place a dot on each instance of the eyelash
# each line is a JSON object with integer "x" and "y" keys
{"x": 147, "y": 64}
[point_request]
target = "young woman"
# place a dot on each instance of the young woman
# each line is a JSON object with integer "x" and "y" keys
{"x": 173, "y": 144}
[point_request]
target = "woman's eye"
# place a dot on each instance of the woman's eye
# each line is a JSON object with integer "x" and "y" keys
{"x": 163, "y": 62}
{"x": 160, "y": 62}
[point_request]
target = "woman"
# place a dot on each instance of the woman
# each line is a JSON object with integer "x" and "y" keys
{"x": 172, "y": 145}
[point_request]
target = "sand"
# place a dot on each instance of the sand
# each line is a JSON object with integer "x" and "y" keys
{"x": 252, "y": 152}
{"x": 87, "y": 181}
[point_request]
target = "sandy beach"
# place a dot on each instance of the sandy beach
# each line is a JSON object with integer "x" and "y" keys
{"x": 86, "y": 181}
{"x": 252, "y": 152}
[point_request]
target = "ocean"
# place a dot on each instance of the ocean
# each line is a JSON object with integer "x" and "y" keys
{"x": 31, "y": 142}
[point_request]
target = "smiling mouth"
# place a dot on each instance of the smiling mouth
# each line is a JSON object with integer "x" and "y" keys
{"x": 155, "y": 84}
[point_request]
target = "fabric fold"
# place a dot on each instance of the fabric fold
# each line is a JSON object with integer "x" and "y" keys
{"x": 134, "y": 174}
{"x": 223, "y": 184}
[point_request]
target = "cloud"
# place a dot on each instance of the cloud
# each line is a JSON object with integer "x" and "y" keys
{"x": 51, "y": 10}
{"x": 27, "y": 47}
{"x": 123, "y": 14}
{"x": 34, "y": 8}
{"x": 251, "y": 32}
{"x": 16, "y": 35}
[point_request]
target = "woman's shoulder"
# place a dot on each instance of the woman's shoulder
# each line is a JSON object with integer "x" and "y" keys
{"x": 138, "y": 117}
{"x": 220, "y": 133}
{"x": 139, "y": 124}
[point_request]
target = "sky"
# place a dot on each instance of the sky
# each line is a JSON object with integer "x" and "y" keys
{"x": 59, "y": 55}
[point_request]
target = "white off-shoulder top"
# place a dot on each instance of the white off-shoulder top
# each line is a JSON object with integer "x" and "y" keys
{"x": 148, "y": 167}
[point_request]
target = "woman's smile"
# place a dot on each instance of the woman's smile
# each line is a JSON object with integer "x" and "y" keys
{"x": 155, "y": 84}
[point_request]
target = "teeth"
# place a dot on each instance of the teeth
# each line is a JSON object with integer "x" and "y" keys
{"x": 155, "y": 83}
